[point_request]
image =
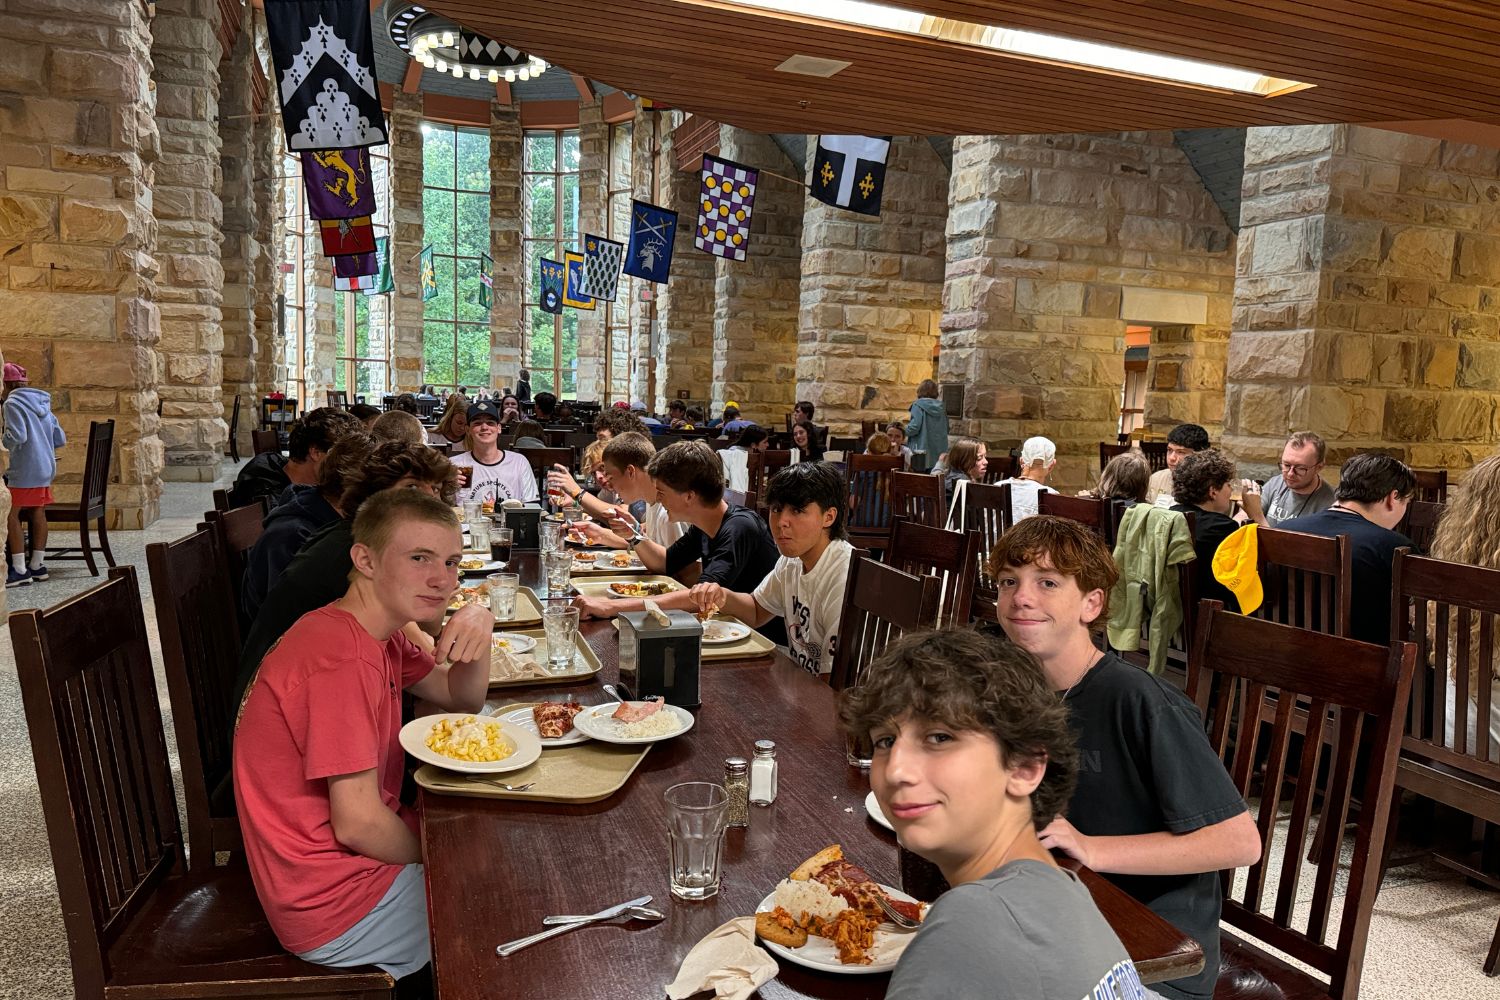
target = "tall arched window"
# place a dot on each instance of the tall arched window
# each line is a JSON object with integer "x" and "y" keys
{"x": 456, "y": 220}
{"x": 550, "y": 184}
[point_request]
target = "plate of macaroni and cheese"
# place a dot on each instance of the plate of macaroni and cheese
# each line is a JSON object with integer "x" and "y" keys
{"x": 469, "y": 742}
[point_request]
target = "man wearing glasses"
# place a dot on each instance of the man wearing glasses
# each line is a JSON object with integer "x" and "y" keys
{"x": 1298, "y": 490}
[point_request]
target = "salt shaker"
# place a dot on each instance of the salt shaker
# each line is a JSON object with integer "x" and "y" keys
{"x": 763, "y": 774}
{"x": 737, "y": 786}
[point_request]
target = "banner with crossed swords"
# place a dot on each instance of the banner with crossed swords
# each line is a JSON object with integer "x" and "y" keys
{"x": 653, "y": 233}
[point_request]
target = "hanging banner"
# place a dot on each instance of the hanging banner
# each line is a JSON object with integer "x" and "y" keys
{"x": 428, "y": 274}
{"x": 552, "y": 287}
{"x": 653, "y": 230}
{"x": 337, "y": 182}
{"x": 383, "y": 281}
{"x": 573, "y": 297}
{"x": 357, "y": 266}
{"x": 342, "y": 237}
{"x": 486, "y": 280}
{"x": 601, "y": 267}
{"x": 324, "y": 68}
{"x": 724, "y": 205}
{"x": 849, "y": 171}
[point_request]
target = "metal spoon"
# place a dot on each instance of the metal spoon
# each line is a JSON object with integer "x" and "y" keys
{"x": 634, "y": 913}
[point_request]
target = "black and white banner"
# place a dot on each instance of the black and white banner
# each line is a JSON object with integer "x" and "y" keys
{"x": 325, "y": 73}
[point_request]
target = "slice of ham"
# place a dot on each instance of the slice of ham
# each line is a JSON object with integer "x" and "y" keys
{"x": 629, "y": 712}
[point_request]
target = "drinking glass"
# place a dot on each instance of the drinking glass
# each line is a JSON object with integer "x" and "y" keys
{"x": 502, "y": 589}
{"x": 559, "y": 566}
{"x": 500, "y": 543}
{"x": 859, "y": 750}
{"x": 479, "y": 535}
{"x": 561, "y": 625}
{"x": 471, "y": 511}
{"x": 696, "y": 819}
{"x": 552, "y": 535}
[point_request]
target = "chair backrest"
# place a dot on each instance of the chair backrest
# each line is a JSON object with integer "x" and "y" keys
{"x": 264, "y": 441}
{"x": 867, "y": 428}
{"x": 1420, "y": 522}
{"x": 338, "y": 398}
{"x": 762, "y": 465}
{"x": 542, "y": 459}
{"x": 1156, "y": 454}
{"x": 742, "y": 498}
{"x": 870, "y": 494}
{"x": 426, "y": 408}
{"x": 880, "y": 603}
{"x": 1350, "y": 691}
{"x": 236, "y": 532}
{"x": 1448, "y": 611}
{"x": 987, "y": 511}
{"x": 1108, "y": 451}
{"x": 1432, "y": 485}
{"x": 918, "y": 496}
{"x": 101, "y": 762}
{"x": 1306, "y": 580}
{"x": 234, "y": 418}
{"x": 848, "y": 445}
{"x": 94, "y": 494}
{"x": 221, "y": 499}
{"x": 951, "y": 556}
{"x": 200, "y": 644}
{"x": 1093, "y": 514}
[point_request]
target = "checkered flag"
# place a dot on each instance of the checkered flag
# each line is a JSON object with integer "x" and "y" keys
{"x": 601, "y": 267}
{"x": 724, "y": 206}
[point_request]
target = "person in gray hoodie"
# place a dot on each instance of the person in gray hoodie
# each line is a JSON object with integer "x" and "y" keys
{"x": 33, "y": 436}
{"x": 927, "y": 431}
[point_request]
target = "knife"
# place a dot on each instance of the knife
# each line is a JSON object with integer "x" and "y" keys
{"x": 511, "y": 947}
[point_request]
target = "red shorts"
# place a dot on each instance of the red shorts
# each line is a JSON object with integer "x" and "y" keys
{"x": 30, "y": 496}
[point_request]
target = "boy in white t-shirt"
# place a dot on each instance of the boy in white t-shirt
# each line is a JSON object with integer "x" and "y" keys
{"x": 806, "y": 587}
{"x": 492, "y": 475}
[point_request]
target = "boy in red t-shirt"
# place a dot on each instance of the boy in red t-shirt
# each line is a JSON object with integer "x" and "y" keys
{"x": 317, "y": 766}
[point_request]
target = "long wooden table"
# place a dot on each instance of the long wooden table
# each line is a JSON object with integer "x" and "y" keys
{"x": 496, "y": 867}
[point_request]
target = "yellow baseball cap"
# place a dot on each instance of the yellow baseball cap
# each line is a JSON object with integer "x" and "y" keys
{"x": 1235, "y": 567}
{"x": 733, "y": 404}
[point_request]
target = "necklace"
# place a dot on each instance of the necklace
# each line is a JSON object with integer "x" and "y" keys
{"x": 1300, "y": 507}
{"x": 1094, "y": 657}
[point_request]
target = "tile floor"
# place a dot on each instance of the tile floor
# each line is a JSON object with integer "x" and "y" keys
{"x": 1427, "y": 939}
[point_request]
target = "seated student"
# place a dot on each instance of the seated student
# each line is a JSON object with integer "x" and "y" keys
{"x": 1126, "y": 477}
{"x": 623, "y": 470}
{"x": 453, "y": 429}
{"x": 1201, "y": 484}
{"x": 968, "y": 461}
{"x": 613, "y": 422}
{"x": 806, "y": 442}
{"x": 897, "y": 433}
{"x": 1298, "y": 489}
{"x": 733, "y": 423}
{"x": 407, "y": 403}
{"x": 366, "y": 413}
{"x": 317, "y": 765}
{"x": 1182, "y": 440}
{"x": 319, "y": 572}
{"x": 495, "y": 475}
{"x": 528, "y": 434}
{"x": 878, "y": 444}
{"x": 802, "y": 413}
{"x": 1371, "y": 499}
{"x": 676, "y": 414}
{"x": 732, "y": 545}
{"x": 736, "y": 457}
{"x": 510, "y": 409}
{"x": 270, "y": 473}
{"x": 290, "y": 524}
{"x": 1038, "y": 459}
{"x": 972, "y": 756}
{"x": 398, "y": 425}
{"x": 806, "y": 588}
{"x": 545, "y": 408}
{"x": 1155, "y": 811}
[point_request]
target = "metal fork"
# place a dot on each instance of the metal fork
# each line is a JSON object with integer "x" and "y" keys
{"x": 895, "y": 916}
{"x": 501, "y": 784}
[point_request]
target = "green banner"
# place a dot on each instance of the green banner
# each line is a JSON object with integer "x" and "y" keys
{"x": 383, "y": 281}
{"x": 486, "y": 280}
{"x": 429, "y": 274}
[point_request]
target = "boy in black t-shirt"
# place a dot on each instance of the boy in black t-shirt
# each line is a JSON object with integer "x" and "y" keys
{"x": 1154, "y": 810}
{"x": 1201, "y": 484}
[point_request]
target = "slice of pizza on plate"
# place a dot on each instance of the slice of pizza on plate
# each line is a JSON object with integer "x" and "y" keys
{"x": 554, "y": 719}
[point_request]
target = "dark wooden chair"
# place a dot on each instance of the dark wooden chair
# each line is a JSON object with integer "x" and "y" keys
{"x": 986, "y": 510}
{"x": 742, "y": 498}
{"x": 338, "y": 399}
{"x": 849, "y": 445}
{"x": 234, "y": 431}
{"x": 1448, "y": 611}
{"x": 762, "y": 465}
{"x": 1156, "y": 454}
{"x": 918, "y": 496}
{"x": 1179, "y": 645}
{"x": 951, "y": 556}
{"x": 262, "y": 442}
{"x": 278, "y": 415}
{"x": 867, "y": 428}
{"x": 1432, "y": 485}
{"x": 221, "y": 500}
{"x": 1420, "y": 522}
{"x": 236, "y": 532}
{"x": 1108, "y": 451}
{"x": 1092, "y": 514}
{"x": 543, "y": 459}
{"x": 880, "y": 604}
{"x": 200, "y": 644}
{"x": 1358, "y": 692}
{"x": 93, "y": 499}
{"x": 869, "y": 478}
{"x": 138, "y": 924}
{"x": 1306, "y": 580}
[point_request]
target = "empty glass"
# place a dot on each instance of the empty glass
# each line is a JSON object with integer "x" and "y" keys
{"x": 551, "y": 534}
{"x": 859, "y": 750}
{"x": 479, "y": 535}
{"x": 559, "y": 567}
{"x": 561, "y": 625}
{"x": 696, "y": 818}
{"x": 502, "y": 589}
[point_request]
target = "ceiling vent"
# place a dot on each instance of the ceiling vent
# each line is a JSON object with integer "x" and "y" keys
{"x": 813, "y": 66}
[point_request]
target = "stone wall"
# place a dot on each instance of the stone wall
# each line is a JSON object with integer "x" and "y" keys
{"x": 239, "y": 251}
{"x": 643, "y": 311}
{"x": 685, "y": 304}
{"x": 1046, "y": 237}
{"x": 507, "y": 322}
{"x": 323, "y": 335}
{"x": 78, "y": 143}
{"x": 593, "y": 194}
{"x": 406, "y": 241}
{"x": 871, "y": 293}
{"x": 270, "y": 228}
{"x": 755, "y": 307}
{"x": 185, "y": 51}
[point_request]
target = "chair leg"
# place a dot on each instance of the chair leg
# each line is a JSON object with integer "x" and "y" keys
{"x": 1492, "y": 963}
{"x": 109, "y": 556}
{"x": 87, "y": 546}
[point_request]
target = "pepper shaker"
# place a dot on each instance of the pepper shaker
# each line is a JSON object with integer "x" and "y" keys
{"x": 737, "y": 786}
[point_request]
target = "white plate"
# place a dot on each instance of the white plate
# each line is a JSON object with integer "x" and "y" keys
{"x": 414, "y": 741}
{"x": 609, "y": 592}
{"x": 518, "y": 643}
{"x": 605, "y": 560}
{"x": 522, "y": 718}
{"x": 596, "y": 722}
{"x": 727, "y": 632}
{"x": 872, "y": 806}
{"x": 821, "y": 954}
{"x": 486, "y": 567}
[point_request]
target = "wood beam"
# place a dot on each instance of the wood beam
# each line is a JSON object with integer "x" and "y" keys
{"x": 618, "y": 108}
{"x": 413, "y": 79}
{"x": 585, "y": 89}
{"x": 502, "y": 92}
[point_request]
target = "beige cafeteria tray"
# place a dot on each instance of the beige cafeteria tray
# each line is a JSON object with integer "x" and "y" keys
{"x": 584, "y": 772}
{"x": 585, "y": 664}
{"x": 528, "y": 612}
{"x": 598, "y": 586}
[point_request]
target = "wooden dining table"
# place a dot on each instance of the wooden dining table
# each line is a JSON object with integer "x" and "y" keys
{"x": 496, "y": 867}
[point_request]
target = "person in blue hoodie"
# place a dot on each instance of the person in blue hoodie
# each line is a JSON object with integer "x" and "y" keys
{"x": 33, "y": 436}
{"x": 927, "y": 431}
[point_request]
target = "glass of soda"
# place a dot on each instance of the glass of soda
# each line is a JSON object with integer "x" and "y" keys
{"x": 500, "y": 543}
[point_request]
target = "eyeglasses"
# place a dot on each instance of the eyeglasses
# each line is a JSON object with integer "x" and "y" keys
{"x": 1297, "y": 470}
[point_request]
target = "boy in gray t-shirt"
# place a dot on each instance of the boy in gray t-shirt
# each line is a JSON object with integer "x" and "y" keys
{"x": 972, "y": 755}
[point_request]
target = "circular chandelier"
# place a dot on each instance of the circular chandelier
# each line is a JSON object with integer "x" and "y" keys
{"x": 447, "y": 49}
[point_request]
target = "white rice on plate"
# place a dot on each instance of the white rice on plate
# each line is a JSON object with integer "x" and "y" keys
{"x": 808, "y": 898}
{"x": 659, "y": 723}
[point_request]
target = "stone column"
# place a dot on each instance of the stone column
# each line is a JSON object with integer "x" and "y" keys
{"x": 185, "y": 52}
{"x": 507, "y": 318}
{"x": 593, "y": 203}
{"x": 1366, "y": 306}
{"x": 77, "y": 271}
{"x": 872, "y": 292}
{"x": 269, "y": 230}
{"x": 685, "y": 304}
{"x": 239, "y": 250}
{"x": 755, "y": 302}
{"x": 323, "y": 336}
{"x": 406, "y": 241}
{"x": 643, "y": 311}
{"x": 1049, "y": 237}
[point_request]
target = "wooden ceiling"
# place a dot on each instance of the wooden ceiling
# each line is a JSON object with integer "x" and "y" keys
{"x": 1371, "y": 61}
